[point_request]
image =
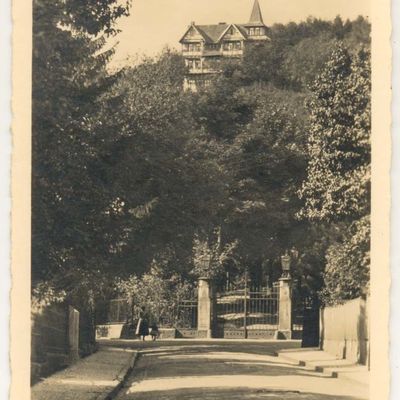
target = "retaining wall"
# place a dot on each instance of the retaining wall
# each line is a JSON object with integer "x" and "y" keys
{"x": 59, "y": 336}
{"x": 345, "y": 331}
{"x": 49, "y": 340}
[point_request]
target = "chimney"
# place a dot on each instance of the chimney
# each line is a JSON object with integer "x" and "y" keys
{"x": 221, "y": 23}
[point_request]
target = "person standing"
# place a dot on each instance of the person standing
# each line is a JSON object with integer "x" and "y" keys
{"x": 154, "y": 331}
{"x": 142, "y": 328}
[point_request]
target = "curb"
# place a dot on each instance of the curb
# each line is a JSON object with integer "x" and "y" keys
{"x": 121, "y": 378}
{"x": 325, "y": 371}
{"x": 306, "y": 365}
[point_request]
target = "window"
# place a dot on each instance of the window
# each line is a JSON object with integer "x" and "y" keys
{"x": 238, "y": 46}
{"x": 213, "y": 46}
{"x": 257, "y": 32}
{"x": 251, "y": 31}
{"x": 194, "y": 47}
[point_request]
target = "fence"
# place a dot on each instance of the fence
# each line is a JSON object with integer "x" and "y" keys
{"x": 247, "y": 313}
{"x": 187, "y": 314}
{"x": 120, "y": 311}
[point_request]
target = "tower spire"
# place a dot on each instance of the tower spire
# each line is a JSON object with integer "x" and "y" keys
{"x": 256, "y": 16}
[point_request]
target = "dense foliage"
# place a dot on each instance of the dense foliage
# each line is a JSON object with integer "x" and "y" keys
{"x": 337, "y": 188}
{"x": 154, "y": 295}
{"x": 131, "y": 172}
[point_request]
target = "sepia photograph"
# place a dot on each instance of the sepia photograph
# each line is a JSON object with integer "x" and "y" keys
{"x": 200, "y": 200}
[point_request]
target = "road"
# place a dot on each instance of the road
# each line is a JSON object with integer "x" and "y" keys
{"x": 188, "y": 370}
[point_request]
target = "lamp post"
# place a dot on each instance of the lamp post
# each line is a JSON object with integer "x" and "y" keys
{"x": 204, "y": 262}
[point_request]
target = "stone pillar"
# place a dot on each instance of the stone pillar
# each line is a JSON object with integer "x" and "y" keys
{"x": 205, "y": 300}
{"x": 73, "y": 334}
{"x": 285, "y": 308}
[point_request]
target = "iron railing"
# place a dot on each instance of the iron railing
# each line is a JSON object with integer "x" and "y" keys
{"x": 245, "y": 309}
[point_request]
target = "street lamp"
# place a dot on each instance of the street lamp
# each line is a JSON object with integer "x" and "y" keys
{"x": 285, "y": 262}
{"x": 205, "y": 260}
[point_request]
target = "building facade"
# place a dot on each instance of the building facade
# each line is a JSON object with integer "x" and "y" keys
{"x": 204, "y": 46}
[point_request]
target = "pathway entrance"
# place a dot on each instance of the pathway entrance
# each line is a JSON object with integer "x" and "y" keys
{"x": 248, "y": 312}
{"x": 210, "y": 370}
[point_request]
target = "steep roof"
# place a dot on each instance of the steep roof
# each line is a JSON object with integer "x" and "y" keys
{"x": 242, "y": 29}
{"x": 256, "y": 16}
{"x": 212, "y": 33}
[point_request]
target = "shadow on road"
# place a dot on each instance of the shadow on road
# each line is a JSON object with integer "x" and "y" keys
{"x": 223, "y": 370}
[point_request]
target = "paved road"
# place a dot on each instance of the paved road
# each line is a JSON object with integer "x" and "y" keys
{"x": 187, "y": 370}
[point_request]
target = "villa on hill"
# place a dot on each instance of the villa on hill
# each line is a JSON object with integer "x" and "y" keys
{"x": 204, "y": 46}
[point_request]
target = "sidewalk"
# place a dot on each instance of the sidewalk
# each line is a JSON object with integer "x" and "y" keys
{"x": 96, "y": 377}
{"x": 327, "y": 364}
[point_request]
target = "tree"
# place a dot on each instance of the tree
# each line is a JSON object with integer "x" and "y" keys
{"x": 296, "y": 53}
{"x": 337, "y": 187}
{"x": 159, "y": 166}
{"x": 69, "y": 78}
{"x": 337, "y": 184}
{"x": 157, "y": 292}
{"x": 304, "y": 61}
{"x": 263, "y": 165}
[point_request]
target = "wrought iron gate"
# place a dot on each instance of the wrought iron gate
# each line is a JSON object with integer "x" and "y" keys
{"x": 247, "y": 313}
{"x": 187, "y": 314}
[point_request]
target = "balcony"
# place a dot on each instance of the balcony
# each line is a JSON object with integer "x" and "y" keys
{"x": 214, "y": 52}
{"x": 204, "y": 70}
{"x": 232, "y": 53}
{"x": 187, "y": 53}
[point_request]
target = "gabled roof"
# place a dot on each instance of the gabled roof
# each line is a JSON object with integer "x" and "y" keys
{"x": 212, "y": 33}
{"x": 241, "y": 30}
{"x": 191, "y": 26}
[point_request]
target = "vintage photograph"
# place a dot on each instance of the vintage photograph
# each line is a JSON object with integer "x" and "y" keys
{"x": 200, "y": 199}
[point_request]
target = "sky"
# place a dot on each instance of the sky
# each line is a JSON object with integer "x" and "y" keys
{"x": 154, "y": 24}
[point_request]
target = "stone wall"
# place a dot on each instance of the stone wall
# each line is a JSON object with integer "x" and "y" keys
{"x": 60, "y": 335}
{"x": 49, "y": 340}
{"x": 345, "y": 330}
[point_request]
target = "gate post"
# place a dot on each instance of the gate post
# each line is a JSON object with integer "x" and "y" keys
{"x": 73, "y": 334}
{"x": 205, "y": 309}
{"x": 285, "y": 308}
{"x": 285, "y": 300}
